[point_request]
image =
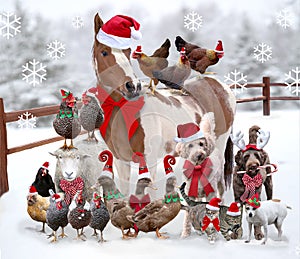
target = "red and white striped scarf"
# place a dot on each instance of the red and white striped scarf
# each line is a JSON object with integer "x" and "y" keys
{"x": 250, "y": 185}
{"x": 71, "y": 187}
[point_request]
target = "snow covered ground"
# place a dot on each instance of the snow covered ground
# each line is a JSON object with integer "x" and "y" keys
{"x": 19, "y": 236}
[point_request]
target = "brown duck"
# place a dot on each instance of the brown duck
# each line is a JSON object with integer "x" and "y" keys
{"x": 160, "y": 212}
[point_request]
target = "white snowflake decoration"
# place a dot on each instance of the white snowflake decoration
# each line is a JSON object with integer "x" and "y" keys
{"x": 294, "y": 81}
{"x": 10, "y": 25}
{"x": 262, "y": 52}
{"x": 236, "y": 79}
{"x": 193, "y": 21}
{"x": 77, "y": 22}
{"x": 27, "y": 120}
{"x": 284, "y": 18}
{"x": 34, "y": 72}
{"x": 56, "y": 49}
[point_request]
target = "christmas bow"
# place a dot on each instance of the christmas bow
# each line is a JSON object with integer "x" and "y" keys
{"x": 128, "y": 109}
{"x": 198, "y": 172}
{"x": 138, "y": 204}
{"x": 206, "y": 221}
{"x": 250, "y": 185}
{"x": 71, "y": 187}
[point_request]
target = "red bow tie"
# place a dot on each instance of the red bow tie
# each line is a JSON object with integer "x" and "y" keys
{"x": 206, "y": 221}
{"x": 138, "y": 204}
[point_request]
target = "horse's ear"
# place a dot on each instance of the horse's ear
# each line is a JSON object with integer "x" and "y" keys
{"x": 97, "y": 23}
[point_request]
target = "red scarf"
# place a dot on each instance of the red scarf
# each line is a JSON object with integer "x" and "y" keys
{"x": 198, "y": 172}
{"x": 138, "y": 204}
{"x": 250, "y": 185}
{"x": 71, "y": 187}
{"x": 206, "y": 221}
{"x": 129, "y": 109}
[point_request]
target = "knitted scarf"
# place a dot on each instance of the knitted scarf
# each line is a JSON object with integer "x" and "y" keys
{"x": 250, "y": 185}
{"x": 71, "y": 187}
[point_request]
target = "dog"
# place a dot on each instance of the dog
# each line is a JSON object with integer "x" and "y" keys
{"x": 265, "y": 213}
{"x": 203, "y": 167}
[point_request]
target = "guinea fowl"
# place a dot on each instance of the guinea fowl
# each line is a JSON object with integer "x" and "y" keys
{"x": 173, "y": 77}
{"x": 100, "y": 215}
{"x": 157, "y": 61}
{"x": 57, "y": 215}
{"x": 200, "y": 58}
{"x": 160, "y": 212}
{"x": 43, "y": 181}
{"x": 91, "y": 115}
{"x": 79, "y": 215}
{"x": 118, "y": 208}
{"x": 66, "y": 123}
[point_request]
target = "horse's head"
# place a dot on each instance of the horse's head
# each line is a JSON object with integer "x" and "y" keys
{"x": 113, "y": 68}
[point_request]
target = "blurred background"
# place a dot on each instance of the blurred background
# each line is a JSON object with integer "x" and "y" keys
{"x": 241, "y": 25}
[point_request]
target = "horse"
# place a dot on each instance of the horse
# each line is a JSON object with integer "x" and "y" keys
{"x": 139, "y": 122}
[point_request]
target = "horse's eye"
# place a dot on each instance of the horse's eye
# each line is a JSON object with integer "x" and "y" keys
{"x": 201, "y": 144}
{"x": 60, "y": 157}
{"x": 104, "y": 53}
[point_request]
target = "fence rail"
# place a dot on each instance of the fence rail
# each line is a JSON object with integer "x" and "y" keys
{"x": 8, "y": 117}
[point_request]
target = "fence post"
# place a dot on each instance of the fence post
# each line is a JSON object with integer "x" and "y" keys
{"x": 266, "y": 92}
{"x": 3, "y": 151}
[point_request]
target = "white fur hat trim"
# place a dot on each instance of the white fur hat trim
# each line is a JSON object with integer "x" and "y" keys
{"x": 170, "y": 175}
{"x": 197, "y": 135}
{"x": 113, "y": 41}
{"x": 212, "y": 207}
{"x": 144, "y": 175}
{"x": 106, "y": 173}
{"x": 231, "y": 213}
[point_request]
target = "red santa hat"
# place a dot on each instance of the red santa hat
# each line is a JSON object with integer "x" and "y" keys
{"x": 119, "y": 31}
{"x": 106, "y": 156}
{"x": 138, "y": 49}
{"x": 182, "y": 51}
{"x": 219, "y": 49}
{"x": 213, "y": 204}
{"x": 138, "y": 157}
{"x": 188, "y": 132}
{"x": 254, "y": 201}
{"x": 32, "y": 190}
{"x": 234, "y": 209}
{"x": 45, "y": 165}
{"x": 56, "y": 197}
{"x": 168, "y": 159}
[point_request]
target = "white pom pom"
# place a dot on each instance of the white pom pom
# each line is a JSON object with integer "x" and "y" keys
{"x": 137, "y": 35}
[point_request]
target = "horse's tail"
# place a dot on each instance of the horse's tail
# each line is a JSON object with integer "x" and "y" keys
{"x": 228, "y": 166}
{"x": 187, "y": 198}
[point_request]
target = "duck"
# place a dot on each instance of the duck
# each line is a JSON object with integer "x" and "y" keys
{"x": 160, "y": 212}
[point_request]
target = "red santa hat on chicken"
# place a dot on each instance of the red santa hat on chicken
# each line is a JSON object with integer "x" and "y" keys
{"x": 188, "y": 132}
{"x": 45, "y": 165}
{"x": 106, "y": 156}
{"x": 32, "y": 190}
{"x": 168, "y": 161}
{"x": 138, "y": 157}
{"x": 213, "y": 204}
{"x": 234, "y": 209}
{"x": 119, "y": 31}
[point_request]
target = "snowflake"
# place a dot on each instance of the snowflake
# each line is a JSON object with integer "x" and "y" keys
{"x": 192, "y": 21}
{"x": 34, "y": 72}
{"x": 56, "y": 49}
{"x": 77, "y": 22}
{"x": 238, "y": 80}
{"x": 284, "y": 18}
{"x": 264, "y": 52}
{"x": 27, "y": 120}
{"x": 11, "y": 24}
{"x": 295, "y": 81}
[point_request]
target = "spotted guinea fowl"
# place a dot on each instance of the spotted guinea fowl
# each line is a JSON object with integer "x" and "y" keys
{"x": 115, "y": 202}
{"x": 160, "y": 212}
{"x": 79, "y": 215}
{"x": 100, "y": 216}
{"x": 57, "y": 215}
{"x": 66, "y": 123}
{"x": 91, "y": 115}
{"x": 43, "y": 181}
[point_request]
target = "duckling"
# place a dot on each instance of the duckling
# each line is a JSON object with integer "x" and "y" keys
{"x": 160, "y": 212}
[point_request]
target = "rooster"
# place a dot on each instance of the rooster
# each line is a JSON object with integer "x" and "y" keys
{"x": 91, "y": 115}
{"x": 200, "y": 58}
{"x": 156, "y": 62}
{"x": 173, "y": 77}
{"x": 66, "y": 123}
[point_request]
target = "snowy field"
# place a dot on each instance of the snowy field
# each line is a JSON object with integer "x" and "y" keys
{"x": 19, "y": 236}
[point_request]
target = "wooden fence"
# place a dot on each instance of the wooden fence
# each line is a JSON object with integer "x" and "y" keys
{"x": 8, "y": 117}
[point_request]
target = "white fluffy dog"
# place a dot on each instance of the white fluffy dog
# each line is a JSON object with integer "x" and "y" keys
{"x": 266, "y": 213}
{"x": 195, "y": 149}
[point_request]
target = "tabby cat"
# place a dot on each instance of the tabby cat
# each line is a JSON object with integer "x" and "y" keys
{"x": 231, "y": 226}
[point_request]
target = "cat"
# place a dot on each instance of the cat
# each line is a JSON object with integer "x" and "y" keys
{"x": 211, "y": 224}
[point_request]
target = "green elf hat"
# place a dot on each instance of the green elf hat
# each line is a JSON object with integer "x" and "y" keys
{"x": 254, "y": 201}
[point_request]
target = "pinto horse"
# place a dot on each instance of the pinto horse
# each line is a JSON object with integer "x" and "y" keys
{"x": 138, "y": 122}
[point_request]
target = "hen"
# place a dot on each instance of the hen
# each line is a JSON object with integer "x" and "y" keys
{"x": 91, "y": 115}
{"x": 43, "y": 181}
{"x": 157, "y": 61}
{"x": 66, "y": 123}
{"x": 173, "y": 77}
{"x": 37, "y": 206}
{"x": 200, "y": 58}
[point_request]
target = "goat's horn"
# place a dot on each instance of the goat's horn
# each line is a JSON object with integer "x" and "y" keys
{"x": 237, "y": 140}
{"x": 262, "y": 138}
